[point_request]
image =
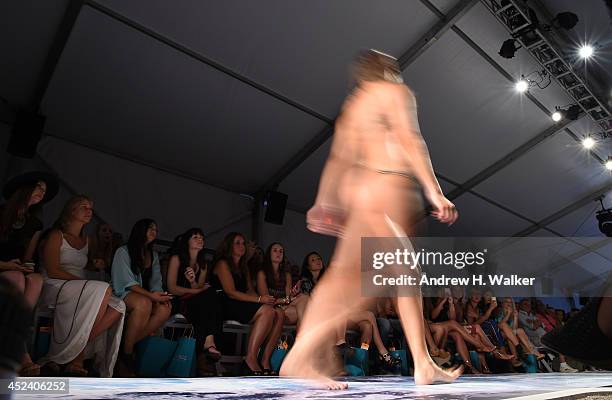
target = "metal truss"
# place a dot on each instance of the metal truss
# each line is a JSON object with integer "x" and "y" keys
{"x": 515, "y": 16}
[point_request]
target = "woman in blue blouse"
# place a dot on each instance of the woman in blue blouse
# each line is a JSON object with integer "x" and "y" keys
{"x": 136, "y": 278}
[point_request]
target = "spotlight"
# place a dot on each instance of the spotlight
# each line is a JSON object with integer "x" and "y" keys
{"x": 521, "y": 86}
{"x": 609, "y": 163}
{"x": 604, "y": 216}
{"x": 588, "y": 142}
{"x": 508, "y": 50}
{"x": 557, "y": 116}
{"x": 566, "y": 20}
{"x": 585, "y": 51}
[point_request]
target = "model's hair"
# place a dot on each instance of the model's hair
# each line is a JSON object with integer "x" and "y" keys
{"x": 269, "y": 270}
{"x": 137, "y": 244}
{"x": 16, "y": 204}
{"x": 66, "y": 214}
{"x": 224, "y": 252}
{"x": 306, "y": 272}
{"x": 182, "y": 250}
{"x": 372, "y": 65}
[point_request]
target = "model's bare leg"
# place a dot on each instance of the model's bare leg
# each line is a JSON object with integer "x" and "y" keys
{"x": 426, "y": 371}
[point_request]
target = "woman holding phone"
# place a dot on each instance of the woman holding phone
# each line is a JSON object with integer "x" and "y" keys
{"x": 187, "y": 273}
{"x": 274, "y": 279}
{"x": 20, "y": 231}
{"x": 231, "y": 275}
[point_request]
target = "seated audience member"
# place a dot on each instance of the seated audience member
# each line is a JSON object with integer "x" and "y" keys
{"x": 364, "y": 321}
{"x": 200, "y": 303}
{"x": 549, "y": 322}
{"x": 240, "y": 303}
{"x": 136, "y": 278}
{"x": 508, "y": 323}
{"x": 388, "y": 323}
{"x": 312, "y": 271}
{"x": 20, "y": 231}
{"x": 87, "y": 318}
{"x": 530, "y": 323}
{"x": 15, "y": 327}
{"x": 274, "y": 279}
{"x": 560, "y": 317}
{"x": 443, "y": 312}
{"x": 101, "y": 252}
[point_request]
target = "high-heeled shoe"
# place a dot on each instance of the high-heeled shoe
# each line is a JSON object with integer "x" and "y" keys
{"x": 389, "y": 362}
{"x": 501, "y": 356}
{"x": 470, "y": 368}
{"x": 247, "y": 371}
{"x": 211, "y": 356}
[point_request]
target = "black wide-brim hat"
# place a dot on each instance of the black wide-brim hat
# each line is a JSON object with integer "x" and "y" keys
{"x": 32, "y": 178}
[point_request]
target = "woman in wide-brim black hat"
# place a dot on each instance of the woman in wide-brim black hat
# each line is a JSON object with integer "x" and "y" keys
{"x": 20, "y": 231}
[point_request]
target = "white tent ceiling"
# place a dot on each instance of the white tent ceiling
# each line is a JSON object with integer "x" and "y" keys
{"x": 226, "y": 93}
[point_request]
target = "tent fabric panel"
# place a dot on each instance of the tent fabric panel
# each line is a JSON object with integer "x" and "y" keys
{"x": 156, "y": 104}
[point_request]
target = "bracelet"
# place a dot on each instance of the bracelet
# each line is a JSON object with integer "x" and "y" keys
{"x": 259, "y": 299}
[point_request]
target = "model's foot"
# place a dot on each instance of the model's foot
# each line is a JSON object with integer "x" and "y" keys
{"x": 428, "y": 373}
{"x": 295, "y": 367}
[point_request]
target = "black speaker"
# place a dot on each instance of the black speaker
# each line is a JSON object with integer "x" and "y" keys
{"x": 275, "y": 203}
{"x": 26, "y": 133}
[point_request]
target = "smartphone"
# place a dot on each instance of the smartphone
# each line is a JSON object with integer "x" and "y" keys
{"x": 296, "y": 286}
{"x": 494, "y": 299}
{"x": 30, "y": 266}
{"x": 447, "y": 292}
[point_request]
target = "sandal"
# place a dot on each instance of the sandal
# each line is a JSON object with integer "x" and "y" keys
{"x": 30, "y": 369}
{"x": 75, "y": 370}
{"x": 212, "y": 356}
{"x": 247, "y": 371}
{"x": 470, "y": 368}
{"x": 501, "y": 356}
{"x": 388, "y": 361}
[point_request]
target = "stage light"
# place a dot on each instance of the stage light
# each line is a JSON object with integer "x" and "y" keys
{"x": 566, "y": 20}
{"x": 508, "y": 50}
{"x": 521, "y": 86}
{"x": 557, "y": 116}
{"x": 586, "y": 51}
{"x": 609, "y": 163}
{"x": 588, "y": 142}
{"x": 604, "y": 216}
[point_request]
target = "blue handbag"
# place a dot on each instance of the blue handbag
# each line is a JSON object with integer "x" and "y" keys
{"x": 276, "y": 360}
{"x": 356, "y": 362}
{"x": 279, "y": 353}
{"x": 153, "y": 354}
{"x": 183, "y": 361}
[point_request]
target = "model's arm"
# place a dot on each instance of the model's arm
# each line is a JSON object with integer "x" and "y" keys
{"x": 343, "y": 153}
{"x": 403, "y": 118}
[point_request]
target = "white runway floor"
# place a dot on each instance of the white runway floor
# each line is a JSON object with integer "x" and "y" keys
{"x": 525, "y": 386}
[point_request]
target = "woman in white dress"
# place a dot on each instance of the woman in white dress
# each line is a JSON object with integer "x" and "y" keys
{"x": 87, "y": 319}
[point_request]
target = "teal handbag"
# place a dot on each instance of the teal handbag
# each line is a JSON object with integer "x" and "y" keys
{"x": 356, "y": 362}
{"x": 153, "y": 354}
{"x": 183, "y": 361}
{"x": 279, "y": 353}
